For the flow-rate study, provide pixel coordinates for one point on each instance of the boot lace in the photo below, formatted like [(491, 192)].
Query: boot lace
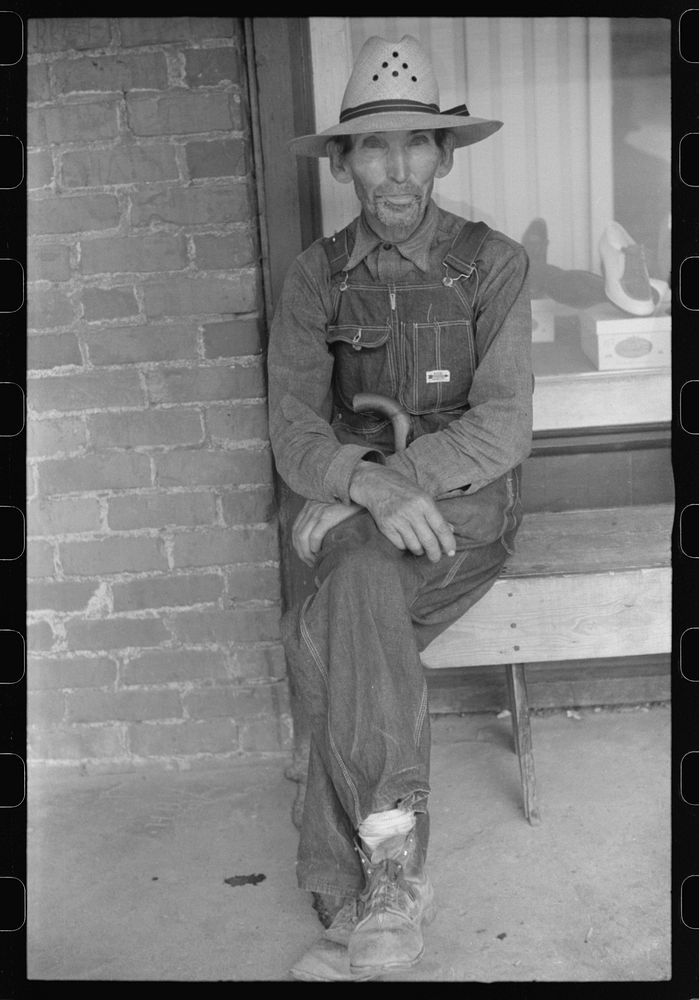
[(388, 890)]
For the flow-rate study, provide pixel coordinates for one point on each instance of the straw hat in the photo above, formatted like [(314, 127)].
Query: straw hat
[(393, 88)]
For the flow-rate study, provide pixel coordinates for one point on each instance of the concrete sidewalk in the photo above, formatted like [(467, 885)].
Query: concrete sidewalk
[(128, 872)]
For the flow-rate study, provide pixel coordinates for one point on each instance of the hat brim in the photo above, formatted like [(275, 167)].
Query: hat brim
[(467, 130)]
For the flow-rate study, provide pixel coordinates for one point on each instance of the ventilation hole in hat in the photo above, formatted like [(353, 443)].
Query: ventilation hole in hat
[(394, 73), (384, 65), (375, 76), (414, 79), (395, 55), (405, 65)]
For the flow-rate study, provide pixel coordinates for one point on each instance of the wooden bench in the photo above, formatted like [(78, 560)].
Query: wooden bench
[(582, 584)]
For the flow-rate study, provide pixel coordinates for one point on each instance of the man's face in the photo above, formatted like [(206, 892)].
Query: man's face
[(393, 174)]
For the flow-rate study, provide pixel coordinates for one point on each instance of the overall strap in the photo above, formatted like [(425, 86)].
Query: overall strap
[(338, 249), (465, 248)]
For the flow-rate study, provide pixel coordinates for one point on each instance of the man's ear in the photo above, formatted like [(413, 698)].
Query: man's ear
[(338, 168), (447, 159)]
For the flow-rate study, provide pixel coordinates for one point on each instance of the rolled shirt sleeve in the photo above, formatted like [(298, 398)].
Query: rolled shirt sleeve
[(495, 433), (308, 455)]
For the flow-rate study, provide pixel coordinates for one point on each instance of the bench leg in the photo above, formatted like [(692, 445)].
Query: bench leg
[(521, 730)]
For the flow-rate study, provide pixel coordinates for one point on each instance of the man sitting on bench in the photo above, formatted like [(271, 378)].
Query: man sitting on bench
[(416, 304)]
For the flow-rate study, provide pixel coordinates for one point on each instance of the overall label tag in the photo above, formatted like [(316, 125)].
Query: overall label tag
[(438, 375)]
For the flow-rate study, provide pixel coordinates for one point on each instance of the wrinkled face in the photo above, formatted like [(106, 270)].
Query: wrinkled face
[(393, 174)]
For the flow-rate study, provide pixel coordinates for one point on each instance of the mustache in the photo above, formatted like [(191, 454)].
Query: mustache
[(404, 193)]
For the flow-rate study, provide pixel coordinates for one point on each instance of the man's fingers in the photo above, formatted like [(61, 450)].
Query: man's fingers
[(444, 533)]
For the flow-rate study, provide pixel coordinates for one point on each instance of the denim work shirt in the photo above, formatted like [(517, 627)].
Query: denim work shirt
[(457, 358)]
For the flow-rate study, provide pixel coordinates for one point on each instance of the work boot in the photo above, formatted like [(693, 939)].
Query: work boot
[(327, 960), (397, 898)]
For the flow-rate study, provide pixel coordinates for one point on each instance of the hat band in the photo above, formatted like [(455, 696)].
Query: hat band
[(373, 107)]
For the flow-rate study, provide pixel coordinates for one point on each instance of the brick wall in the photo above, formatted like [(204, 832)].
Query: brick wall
[(153, 632)]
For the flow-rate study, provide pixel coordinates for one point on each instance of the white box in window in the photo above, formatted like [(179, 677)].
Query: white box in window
[(614, 341)]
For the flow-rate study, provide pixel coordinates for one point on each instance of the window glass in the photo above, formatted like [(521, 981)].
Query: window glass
[(579, 173)]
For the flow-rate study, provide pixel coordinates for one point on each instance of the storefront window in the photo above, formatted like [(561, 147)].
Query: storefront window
[(580, 173)]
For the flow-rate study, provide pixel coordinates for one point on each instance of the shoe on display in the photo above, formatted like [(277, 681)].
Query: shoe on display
[(398, 898), (626, 281)]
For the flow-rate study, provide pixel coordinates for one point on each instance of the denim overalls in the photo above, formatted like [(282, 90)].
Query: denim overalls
[(353, 646), (412, 342)]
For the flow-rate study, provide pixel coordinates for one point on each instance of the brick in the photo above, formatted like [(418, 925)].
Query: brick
[(257, 624), (65, 33), (151, 30), (253, 583), (76, 743), (255, 506), (139, 254), (181, 113), (76, 672), (39, 636), (130, 706), (109, 303), (221, 547), (38, 88), (229, 340), (242, 422), (169, 666), (39, 169), (45, 708), (146, 71), (84, 391), (40, 556), (48, 308), (148, 427), (214, 468), (115, 633), (183, 739), (112, 555), (170, 592), (72, 123), (217, 158), (179, 296), (59, 596), (53, 436), (146, 342), (161, 511), (230, 701), (94, 472), (259, 661), (72, 214), (214, 253), (187, 385), (208, 67), (192, 206), (52, 350), (123, 164), (49, 262), (266, 735), (63, 517)]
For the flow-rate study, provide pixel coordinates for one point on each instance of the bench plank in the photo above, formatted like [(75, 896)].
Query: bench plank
[(578, 616), (580, 541)]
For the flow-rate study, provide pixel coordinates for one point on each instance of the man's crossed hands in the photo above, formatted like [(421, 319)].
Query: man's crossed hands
[(407, 515)]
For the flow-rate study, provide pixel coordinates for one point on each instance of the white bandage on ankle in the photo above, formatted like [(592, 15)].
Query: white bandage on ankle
[(383, 825)]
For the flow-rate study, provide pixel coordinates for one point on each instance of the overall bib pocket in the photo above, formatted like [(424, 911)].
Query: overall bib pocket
[(363, 360), (439, 365)]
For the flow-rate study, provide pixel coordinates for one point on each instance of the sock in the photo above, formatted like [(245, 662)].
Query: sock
[(384, 825)]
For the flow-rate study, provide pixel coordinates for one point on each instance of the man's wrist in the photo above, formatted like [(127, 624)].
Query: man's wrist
[(362, 470)]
